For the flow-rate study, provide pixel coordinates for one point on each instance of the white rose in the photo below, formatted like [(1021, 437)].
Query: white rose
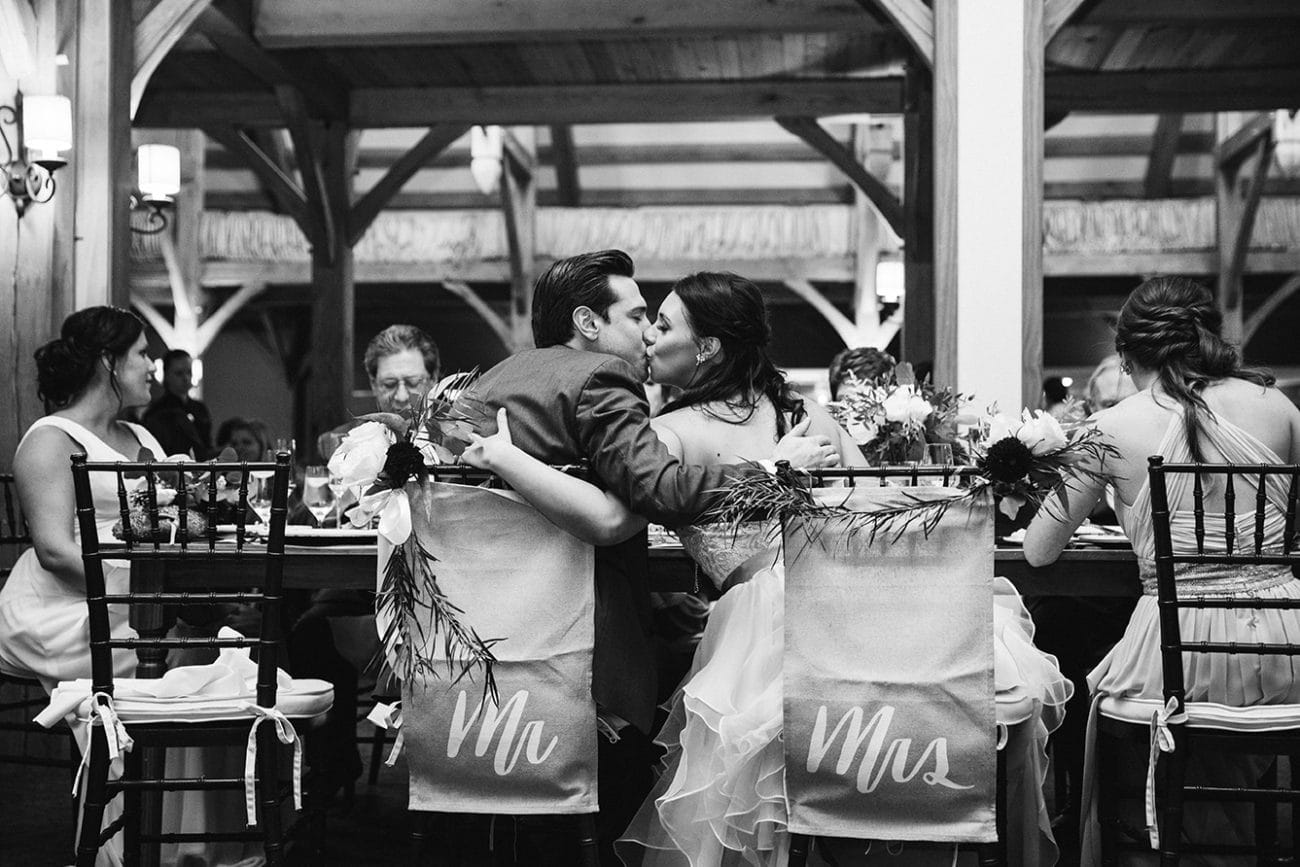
[(361, 455), (1041, 433), (1000, 427), (904, 405)]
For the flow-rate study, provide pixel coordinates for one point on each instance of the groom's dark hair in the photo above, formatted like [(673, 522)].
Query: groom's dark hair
[(578, 281)]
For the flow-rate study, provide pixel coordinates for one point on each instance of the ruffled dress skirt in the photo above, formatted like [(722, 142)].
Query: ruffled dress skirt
[(720, 799)]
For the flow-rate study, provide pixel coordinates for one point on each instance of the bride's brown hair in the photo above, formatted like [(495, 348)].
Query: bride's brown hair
[(1172, 326), (730, 308)]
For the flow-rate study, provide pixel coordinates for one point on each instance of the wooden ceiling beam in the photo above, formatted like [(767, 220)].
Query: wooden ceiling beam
[(1189, 12), (272, 172), (434, 142), (563, 156), (1055, 15), (842, 158), (380, 108), (240, 47), (1232, 150), (1180, 90), (914, 19), (1164, 151), (320, 209), (316, 23), (161, 28)]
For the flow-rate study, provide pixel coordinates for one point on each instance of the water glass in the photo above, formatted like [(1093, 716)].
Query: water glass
[(317, 494), (936, 455)]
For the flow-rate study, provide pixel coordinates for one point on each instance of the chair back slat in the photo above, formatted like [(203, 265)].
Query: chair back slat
[(267, 598), (1261, 505), (1198, 509), (1229, 514), (14, 531), (882, 475), (1167, 606), (1258, 553), (1288, 531), (124, 509)]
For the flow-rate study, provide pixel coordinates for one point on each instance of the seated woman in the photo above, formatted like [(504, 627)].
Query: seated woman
[(721, 797), (248, 438), (98, 368), (1195, 402)]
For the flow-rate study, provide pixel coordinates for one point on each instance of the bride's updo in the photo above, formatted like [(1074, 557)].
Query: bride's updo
[(66, 365), (1172, 326), (730, 308)]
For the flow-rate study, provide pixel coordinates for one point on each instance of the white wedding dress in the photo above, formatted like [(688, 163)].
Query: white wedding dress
[(720, 799)]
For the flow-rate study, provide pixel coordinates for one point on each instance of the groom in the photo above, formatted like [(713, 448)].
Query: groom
[(579, 397)]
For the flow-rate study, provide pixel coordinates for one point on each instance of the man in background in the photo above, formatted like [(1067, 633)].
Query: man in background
[(181, 423), (403, 364)]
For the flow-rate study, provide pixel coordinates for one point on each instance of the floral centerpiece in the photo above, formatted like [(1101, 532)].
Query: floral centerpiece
[(380, 458), (893, 416), (1020, 462)]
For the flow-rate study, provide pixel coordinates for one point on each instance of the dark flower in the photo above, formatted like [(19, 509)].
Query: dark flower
[(1008, 460), (404, 461)]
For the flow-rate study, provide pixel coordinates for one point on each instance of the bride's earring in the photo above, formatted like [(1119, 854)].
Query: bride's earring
[(700, 358), (1126, 367)]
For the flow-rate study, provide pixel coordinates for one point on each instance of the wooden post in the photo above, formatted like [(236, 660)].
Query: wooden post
[(33, 268), (918, 218), (988, 161), (101, 161), (1237, 197), (333, 290), (519, 204)]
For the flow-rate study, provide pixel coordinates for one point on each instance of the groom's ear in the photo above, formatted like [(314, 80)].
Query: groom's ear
[(586, 323)]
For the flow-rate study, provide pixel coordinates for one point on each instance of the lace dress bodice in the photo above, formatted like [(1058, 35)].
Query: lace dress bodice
[(719, 549)]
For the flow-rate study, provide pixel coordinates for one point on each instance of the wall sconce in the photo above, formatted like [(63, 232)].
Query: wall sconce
[(42, 128), (889, 281), (158, 177), (485, 157)]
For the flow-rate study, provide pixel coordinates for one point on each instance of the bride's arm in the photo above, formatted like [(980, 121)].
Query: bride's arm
[(44, 480), (824, 423), (1050, 530), (582, 509)]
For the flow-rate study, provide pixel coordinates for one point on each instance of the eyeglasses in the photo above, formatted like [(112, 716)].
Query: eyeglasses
[(390, 386)]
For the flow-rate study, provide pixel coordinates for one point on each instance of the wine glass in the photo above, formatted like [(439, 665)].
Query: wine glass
[(259, 489), (337, 487), (936, 455), (317, 493)]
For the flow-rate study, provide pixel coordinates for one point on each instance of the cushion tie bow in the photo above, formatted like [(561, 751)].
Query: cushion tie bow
[(286, 734), (1162, 741)]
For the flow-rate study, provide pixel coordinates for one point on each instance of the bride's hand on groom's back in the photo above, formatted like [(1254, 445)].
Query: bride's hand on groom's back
[(801, 449), (487, 452)]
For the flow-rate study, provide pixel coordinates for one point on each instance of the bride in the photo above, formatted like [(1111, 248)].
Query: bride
[(721, 796)]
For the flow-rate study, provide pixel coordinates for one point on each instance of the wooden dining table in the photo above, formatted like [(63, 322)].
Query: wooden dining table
[(1079, 571)]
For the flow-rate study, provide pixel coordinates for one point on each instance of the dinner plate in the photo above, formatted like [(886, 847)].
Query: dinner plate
[(332, 533)]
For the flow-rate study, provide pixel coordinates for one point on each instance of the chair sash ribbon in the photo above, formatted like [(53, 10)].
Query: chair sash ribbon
[(286, 734), (115, 734), (1162, 741), (389, 716)]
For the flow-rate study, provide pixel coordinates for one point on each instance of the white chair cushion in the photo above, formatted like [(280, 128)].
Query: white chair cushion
[(223, 690), (1204, 714)]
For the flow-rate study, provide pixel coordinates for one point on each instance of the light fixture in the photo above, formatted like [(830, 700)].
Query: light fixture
[(1286, 140), (42, 128), (889, 281), (485, 157), (158, 177)]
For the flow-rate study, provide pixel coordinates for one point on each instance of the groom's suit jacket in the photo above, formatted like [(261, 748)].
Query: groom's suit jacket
[(566, 405)]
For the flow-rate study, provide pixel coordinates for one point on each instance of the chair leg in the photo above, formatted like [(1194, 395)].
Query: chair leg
[(94, 792), (376, 757), (1265, 809), (131, 803), (421, 837), (588, 847), (268, 790), (1107, 799), (799, 847), (1171, 814)]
